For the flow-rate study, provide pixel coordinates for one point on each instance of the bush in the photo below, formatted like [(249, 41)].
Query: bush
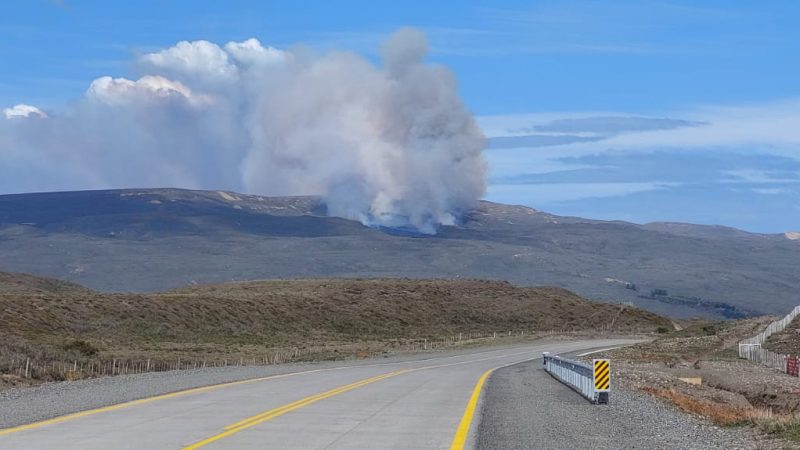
[(709, 330), (662, 330), (786, 428), (83, 347)]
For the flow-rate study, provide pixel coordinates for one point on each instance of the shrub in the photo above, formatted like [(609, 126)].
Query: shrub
[(83, 347), (720, 413), (709, 330), (786, 428)]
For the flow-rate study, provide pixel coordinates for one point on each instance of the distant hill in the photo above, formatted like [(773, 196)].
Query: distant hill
[(145, 240), (14, 283), (290, 312)]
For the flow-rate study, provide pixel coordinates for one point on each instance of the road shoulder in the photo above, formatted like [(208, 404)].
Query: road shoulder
[(525, 408)]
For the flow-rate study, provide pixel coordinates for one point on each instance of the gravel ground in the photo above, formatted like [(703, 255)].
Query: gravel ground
[(26, 405), (525, 408)]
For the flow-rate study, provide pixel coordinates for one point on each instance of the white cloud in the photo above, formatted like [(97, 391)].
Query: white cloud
[(252, 53), (516, 124), (543, 195), (770, 191), (23, 110), (196, 61), (721, 152), (759, 176), (763, 127), (766, 128), (209, 66), (117, 91)]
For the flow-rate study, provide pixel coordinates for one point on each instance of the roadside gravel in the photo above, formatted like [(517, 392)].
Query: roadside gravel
[(525, 408)]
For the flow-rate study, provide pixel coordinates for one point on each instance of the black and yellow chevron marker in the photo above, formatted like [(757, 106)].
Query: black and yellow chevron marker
[(602, 375)]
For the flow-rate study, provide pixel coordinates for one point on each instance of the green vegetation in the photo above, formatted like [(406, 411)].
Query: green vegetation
[(787, 428)]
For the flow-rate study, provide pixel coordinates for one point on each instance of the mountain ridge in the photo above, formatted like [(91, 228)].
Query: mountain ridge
[(147, 240)]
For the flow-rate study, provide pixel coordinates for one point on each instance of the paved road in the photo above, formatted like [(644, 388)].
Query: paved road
[(421, 404)]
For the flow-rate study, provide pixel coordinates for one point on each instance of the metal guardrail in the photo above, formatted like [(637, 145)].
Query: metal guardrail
[(580, 376)]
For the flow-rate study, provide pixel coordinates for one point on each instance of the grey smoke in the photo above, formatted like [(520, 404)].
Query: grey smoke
[(389, 144)]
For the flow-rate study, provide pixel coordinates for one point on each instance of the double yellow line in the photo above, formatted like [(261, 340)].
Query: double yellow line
[(459, 441), (142, 401), (281, 410)]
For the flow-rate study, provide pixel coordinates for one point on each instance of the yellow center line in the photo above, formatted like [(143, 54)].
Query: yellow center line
[(281, 410), (142, 401), (260, 417), (460, 439), (91, 412), (306, 400)]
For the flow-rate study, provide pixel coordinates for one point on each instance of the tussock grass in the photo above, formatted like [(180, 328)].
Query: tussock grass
[(784, 426), (320, 318), (719, 413)]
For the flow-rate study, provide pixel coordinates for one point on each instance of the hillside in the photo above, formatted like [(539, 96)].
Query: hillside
[(287, 310), (148, 240), (319, 317), (19, 283)]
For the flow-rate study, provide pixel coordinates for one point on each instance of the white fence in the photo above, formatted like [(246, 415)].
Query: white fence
[(750, 348)]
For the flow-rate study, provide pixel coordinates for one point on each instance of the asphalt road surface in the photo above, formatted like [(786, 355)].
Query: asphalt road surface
[(431, 403)]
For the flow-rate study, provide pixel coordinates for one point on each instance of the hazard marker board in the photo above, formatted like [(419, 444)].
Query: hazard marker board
[(602, 375)]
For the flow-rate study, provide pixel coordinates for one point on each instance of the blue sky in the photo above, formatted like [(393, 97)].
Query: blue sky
[(634, 110)]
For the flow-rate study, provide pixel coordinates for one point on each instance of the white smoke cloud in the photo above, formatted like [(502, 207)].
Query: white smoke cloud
[(388, 145)]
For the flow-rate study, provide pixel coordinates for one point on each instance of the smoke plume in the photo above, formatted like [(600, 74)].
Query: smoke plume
[(389, 144)]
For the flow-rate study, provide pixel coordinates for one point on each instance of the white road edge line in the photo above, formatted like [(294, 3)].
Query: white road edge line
[(598, 351)]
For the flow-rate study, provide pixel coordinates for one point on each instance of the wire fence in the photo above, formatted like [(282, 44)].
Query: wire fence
[(47, 368), (43, 367), (751, 348)]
